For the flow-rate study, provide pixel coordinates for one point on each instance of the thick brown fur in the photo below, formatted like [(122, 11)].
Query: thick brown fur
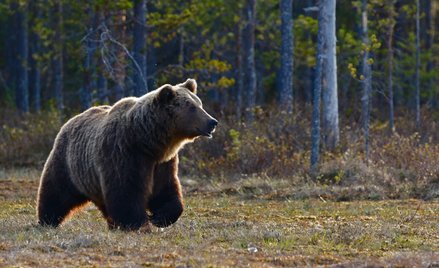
[(124, 159)]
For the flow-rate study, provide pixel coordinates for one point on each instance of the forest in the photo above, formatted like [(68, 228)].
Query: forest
[(328, 124)]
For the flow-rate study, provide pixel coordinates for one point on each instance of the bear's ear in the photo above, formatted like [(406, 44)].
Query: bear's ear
[(166, 94), (190, 84)]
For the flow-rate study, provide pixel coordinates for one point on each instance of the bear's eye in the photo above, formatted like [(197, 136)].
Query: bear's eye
[(192, 109)]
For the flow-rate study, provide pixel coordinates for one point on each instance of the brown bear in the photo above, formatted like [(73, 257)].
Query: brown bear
[(124, 159)]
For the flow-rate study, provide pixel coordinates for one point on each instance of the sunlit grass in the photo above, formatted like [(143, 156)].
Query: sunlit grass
[(221, 227)]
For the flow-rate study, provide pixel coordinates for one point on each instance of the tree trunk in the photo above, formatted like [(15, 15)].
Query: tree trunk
[(58, 58), (102, 83), (329, 75), (418, 66), (34, 64), (366, 72), (248, 36), (120, 74), (400, 33), (315, 121), (139, 48), (102, 86), (430, 29), (11, 48), (286, 53), (90, 48), (22, 83), (239, 70), (390, 67), (181, 47), (309, 72)]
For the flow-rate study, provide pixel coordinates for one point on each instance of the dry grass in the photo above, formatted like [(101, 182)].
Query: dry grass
[(277, 145), (253, 202), (252, 222)]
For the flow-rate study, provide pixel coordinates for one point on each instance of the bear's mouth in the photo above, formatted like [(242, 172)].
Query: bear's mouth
[(206, 133)]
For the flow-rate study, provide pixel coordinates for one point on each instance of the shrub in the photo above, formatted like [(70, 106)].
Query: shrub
[(27, 139), (276, 145)]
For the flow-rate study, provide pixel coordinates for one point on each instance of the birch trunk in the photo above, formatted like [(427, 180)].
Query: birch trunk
[(315, 121), (249, 58), (329, 75), (366, 72), (286, 60)]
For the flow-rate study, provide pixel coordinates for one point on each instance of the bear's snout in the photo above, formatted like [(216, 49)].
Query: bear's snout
[(211, 126)]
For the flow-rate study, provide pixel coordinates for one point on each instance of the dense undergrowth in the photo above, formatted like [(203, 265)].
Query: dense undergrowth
[(277, 146)]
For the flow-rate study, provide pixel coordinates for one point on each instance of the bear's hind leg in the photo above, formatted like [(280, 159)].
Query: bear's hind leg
[(57, 197)]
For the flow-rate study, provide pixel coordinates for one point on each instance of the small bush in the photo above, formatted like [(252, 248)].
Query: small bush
[(276, 145), (27, 139)]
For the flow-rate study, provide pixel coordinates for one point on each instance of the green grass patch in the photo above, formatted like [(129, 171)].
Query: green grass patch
[(227, 229)]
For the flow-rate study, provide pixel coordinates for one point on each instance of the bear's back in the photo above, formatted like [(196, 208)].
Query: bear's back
[(122, 106)]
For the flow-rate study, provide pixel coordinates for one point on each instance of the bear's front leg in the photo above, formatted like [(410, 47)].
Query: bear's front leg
[(125, 209), (166, 208), (166, 205), (125, 197)]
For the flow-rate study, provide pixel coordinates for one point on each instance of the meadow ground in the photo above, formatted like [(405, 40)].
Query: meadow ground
[(238, 223)]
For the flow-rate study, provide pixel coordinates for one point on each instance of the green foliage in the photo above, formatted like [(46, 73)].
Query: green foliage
[(305, 27), (233, 152), (199, 38), (7, 98)]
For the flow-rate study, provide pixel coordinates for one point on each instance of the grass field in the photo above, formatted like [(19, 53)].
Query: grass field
[(229, 224)]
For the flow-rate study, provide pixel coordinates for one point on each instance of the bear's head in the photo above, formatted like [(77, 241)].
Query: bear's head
[(185, 109)]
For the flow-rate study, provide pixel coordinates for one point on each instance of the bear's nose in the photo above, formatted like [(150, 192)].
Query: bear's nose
[(213, 123)]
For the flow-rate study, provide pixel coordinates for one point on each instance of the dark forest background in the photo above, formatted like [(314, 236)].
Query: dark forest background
[(316, 91)]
